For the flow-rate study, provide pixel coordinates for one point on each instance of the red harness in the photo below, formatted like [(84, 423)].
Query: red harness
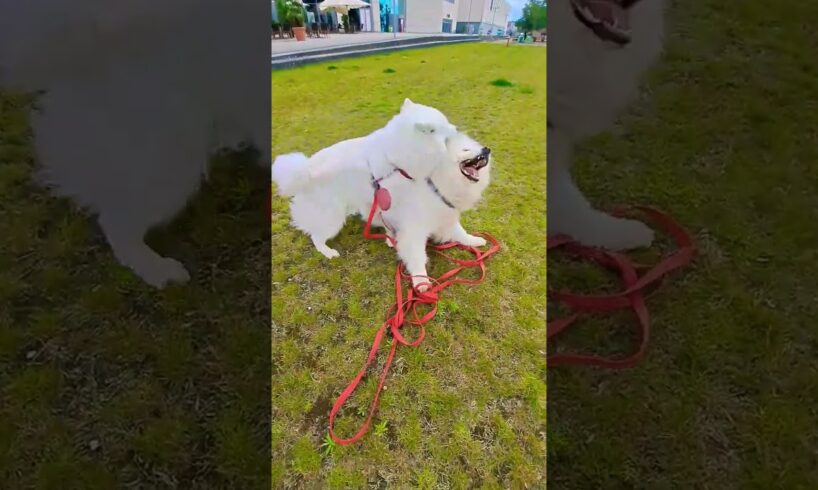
[(632, 296), (405, 303)]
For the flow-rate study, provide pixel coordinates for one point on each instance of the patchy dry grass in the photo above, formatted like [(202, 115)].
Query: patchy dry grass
[(725, 141), (107, 383), (467, 408)]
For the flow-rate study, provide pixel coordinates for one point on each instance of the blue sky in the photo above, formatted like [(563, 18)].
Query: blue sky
[(516, 9)]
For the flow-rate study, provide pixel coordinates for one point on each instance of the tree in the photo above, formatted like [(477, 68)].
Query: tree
[(535, 16)]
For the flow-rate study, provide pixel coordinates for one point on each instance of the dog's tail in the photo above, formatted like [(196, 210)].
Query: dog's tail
[(290, 173)]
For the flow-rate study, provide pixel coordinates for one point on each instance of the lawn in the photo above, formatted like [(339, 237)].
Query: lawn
[(107, 383), (725, 141), (467, 408)]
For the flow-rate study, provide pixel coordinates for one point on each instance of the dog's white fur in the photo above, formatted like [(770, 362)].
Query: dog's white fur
[(590, 85), (336, 182), (414, 140), (132, 107)]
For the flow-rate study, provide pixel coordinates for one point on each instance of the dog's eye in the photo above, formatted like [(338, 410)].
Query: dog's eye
[(432, 131)]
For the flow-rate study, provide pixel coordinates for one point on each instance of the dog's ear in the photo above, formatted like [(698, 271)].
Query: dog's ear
[(407, 103), (426, 128)]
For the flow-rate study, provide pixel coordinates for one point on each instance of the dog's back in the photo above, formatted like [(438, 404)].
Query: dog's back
[(121, 113), (132, 103)]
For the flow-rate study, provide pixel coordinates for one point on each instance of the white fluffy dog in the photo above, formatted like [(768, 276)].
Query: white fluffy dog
[(592, 80), (137, 94), (431, 171)]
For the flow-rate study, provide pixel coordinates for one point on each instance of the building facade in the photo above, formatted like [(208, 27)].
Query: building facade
[(484, 17), (423, 16), (443, 16)]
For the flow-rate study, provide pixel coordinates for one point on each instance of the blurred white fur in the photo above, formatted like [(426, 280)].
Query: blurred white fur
[(137, 94), (336, 182), (590, 84)]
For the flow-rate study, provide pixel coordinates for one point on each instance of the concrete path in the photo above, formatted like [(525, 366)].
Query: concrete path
[(515, 43), (288, 45)]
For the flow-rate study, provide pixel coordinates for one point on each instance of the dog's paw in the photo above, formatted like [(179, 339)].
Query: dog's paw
[(389, 243), (326, 251), (474, 241), (420, 284), (619, 234), (631, 234), (161, 271), (329, 253)]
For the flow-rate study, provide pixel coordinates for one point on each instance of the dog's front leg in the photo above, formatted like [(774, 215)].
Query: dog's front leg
[(570, 213), (129, 248), (456, 233), (411, 247)]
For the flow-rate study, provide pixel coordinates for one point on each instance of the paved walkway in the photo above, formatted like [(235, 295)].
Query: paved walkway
[(289, 45), (515, 43)]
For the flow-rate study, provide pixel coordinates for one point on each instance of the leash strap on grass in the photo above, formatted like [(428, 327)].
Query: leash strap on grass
[(399, 315), (632, 296)]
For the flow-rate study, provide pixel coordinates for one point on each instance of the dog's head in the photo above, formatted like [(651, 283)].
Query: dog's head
[(464, 175), (417, 138), (425, 125), (599, 73), (473, 160)]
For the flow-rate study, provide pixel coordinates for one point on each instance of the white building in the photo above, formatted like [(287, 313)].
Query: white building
[(482, 17), (426, 16), (434, 16), (431, 15)]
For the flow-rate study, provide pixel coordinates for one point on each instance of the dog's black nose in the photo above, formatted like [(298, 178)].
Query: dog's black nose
[(485, 151)]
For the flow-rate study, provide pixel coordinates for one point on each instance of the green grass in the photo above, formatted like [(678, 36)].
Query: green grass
[(467, 408), (725, 141), (501, 82), (107, 382)]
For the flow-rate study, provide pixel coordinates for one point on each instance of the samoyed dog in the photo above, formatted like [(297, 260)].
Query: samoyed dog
[(431, 171), (136, 95), (600, 49)]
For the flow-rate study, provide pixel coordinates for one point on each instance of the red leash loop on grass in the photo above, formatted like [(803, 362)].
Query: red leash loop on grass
[(632, 296), (399, 315)]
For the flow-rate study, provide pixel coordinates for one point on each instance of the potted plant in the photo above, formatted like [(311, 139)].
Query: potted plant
[(296, 18), (292, 13)]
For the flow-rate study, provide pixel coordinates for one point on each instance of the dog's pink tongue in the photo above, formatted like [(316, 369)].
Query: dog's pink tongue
[(471, 171)]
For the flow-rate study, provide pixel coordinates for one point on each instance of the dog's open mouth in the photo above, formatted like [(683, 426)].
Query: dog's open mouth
[(608, 19), (471, 168)]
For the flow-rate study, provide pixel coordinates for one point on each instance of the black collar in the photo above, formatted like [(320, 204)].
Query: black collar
[(439, 194)]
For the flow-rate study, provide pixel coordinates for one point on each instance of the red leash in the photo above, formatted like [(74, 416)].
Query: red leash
[(398, 315), (632, 296)]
